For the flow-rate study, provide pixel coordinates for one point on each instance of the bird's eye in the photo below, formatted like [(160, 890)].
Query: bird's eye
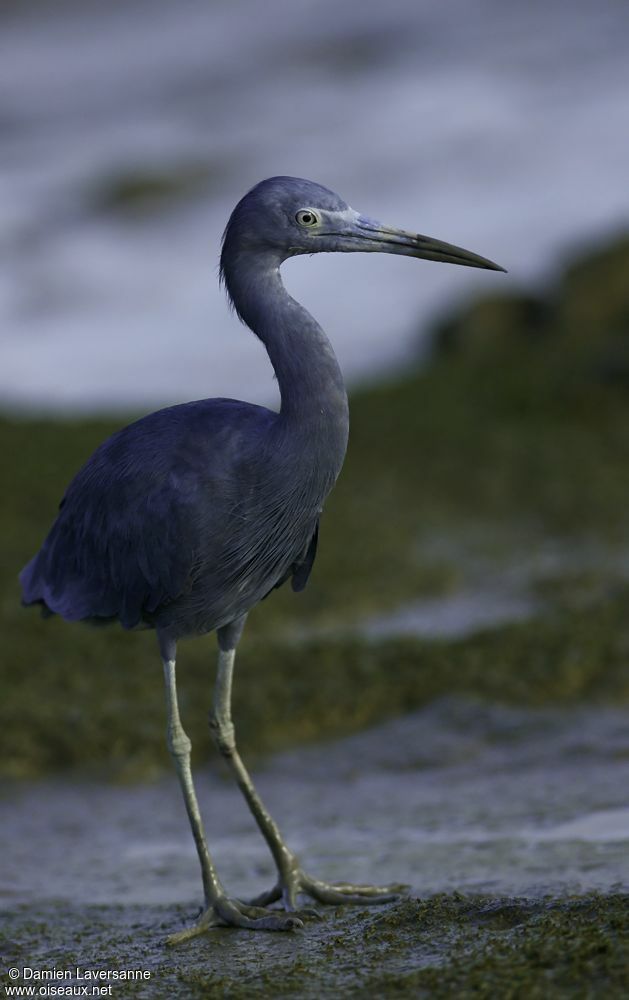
[(306, 217)]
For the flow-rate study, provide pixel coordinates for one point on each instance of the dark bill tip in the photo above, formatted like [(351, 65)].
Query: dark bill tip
[(425, 247), (429, 248)]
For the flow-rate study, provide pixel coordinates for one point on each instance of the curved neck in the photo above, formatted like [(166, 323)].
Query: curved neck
[(314, 399)]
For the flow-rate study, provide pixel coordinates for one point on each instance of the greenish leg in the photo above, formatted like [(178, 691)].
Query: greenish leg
[(218, 909), (291, 879)]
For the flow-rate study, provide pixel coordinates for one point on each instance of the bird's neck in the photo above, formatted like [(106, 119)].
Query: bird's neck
[(314, 400)]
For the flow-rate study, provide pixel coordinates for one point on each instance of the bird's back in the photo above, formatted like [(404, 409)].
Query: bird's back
[(183, 520)]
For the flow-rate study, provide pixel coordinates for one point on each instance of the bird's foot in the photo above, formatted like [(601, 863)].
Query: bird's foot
[(294, 881), (224, 912)]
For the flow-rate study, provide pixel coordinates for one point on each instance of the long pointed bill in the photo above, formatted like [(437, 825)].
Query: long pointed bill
[(370, 236)]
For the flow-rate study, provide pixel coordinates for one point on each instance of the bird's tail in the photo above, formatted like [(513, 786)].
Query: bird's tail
[(34, 587)]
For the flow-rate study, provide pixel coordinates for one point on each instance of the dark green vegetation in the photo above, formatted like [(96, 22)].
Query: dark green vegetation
[(447, 946), (111, 710), (515, 435)]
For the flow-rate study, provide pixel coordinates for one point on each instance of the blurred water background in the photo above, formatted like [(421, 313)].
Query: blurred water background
[(129, 130)]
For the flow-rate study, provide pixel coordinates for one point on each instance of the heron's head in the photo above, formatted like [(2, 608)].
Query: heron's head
[(287, 216)]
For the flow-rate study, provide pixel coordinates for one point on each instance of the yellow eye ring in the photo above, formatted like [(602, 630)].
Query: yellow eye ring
[(306, 217)]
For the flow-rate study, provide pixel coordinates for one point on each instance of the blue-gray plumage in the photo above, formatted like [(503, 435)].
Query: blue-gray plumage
[(184, 520)]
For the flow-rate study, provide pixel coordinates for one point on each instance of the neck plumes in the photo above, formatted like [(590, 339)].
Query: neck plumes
[(314, 401)]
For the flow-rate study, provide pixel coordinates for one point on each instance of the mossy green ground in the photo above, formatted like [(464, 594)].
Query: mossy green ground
[(111, 712), (447, 946), (515, 435)]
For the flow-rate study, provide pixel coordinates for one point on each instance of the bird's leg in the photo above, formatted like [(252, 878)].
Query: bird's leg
[(223, 732), (292, 880), (219, 909)]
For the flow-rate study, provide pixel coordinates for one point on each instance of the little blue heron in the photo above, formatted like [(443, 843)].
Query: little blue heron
[(187, 518)]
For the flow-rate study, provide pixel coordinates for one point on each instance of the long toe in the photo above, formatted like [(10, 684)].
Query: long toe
[(331, 893), (270, 896), (375, 893)]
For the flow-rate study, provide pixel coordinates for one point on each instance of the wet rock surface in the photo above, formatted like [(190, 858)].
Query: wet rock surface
[(502, 820)]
